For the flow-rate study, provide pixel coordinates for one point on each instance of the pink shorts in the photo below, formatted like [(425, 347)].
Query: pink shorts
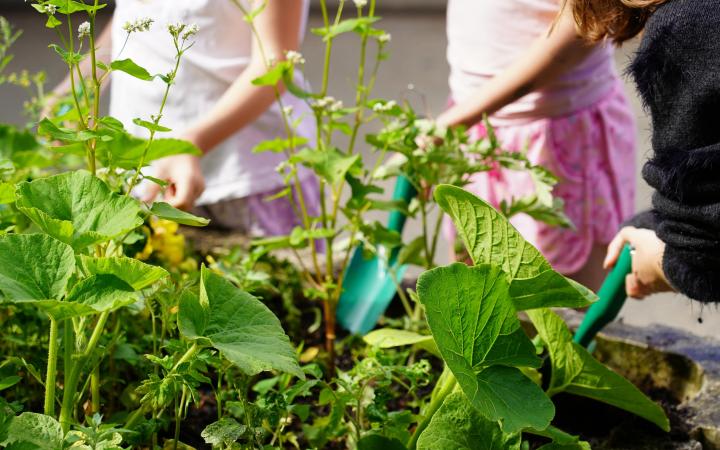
[(592, 152)]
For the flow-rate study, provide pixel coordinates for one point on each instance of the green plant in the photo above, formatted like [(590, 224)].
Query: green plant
[(492, 383), (73, 268)]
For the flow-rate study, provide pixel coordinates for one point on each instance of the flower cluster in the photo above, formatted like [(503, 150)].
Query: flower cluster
[(296, 58), (384, 38), (138, 26), (383, 107), (328, 103), (183, 31), (360, 3), (50, 9), (83, 30)]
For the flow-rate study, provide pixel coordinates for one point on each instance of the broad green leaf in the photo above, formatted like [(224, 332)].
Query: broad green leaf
[(331, 165), (31, 431), (390, 338), (131, 68), (163, 210), (7, 193), (273, 76), (488, 236), (94, 295), (34, 267), (14, 143), (133, 272), (48, 128), (575, 371), (237, 324), (378, 442), (476, 329), (458, 425), (472, 317), (549, 289), (78, 208)]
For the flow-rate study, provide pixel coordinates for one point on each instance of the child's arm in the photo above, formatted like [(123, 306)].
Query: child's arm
[(278, 28), (550, 56)]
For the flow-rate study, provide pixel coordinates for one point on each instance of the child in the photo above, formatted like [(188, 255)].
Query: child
[(214, 105), (557, 97), (677, 245)]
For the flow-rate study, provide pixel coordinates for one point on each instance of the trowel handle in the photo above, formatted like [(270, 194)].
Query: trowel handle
[(404, 192), (612, 297)]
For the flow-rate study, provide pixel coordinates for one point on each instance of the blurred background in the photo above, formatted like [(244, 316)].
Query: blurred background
[(416, 71)]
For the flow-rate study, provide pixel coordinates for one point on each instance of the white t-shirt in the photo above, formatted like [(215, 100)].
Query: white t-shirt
[(220, 54)]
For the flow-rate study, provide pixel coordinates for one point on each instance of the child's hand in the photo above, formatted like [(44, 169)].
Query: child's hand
[(185, 178), (648, 276)]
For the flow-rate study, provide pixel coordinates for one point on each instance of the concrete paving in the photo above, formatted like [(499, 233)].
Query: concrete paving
[(417, 59)]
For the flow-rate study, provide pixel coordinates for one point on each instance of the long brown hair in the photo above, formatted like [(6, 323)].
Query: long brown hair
[(618, 20)]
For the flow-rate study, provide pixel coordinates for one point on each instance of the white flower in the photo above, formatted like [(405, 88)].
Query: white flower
[(50, 9), (328, 103), (360, 3), (83, 30), (384, 38), (190, 31), (295, 57), (138, 25), (288, 110), (381, 107)]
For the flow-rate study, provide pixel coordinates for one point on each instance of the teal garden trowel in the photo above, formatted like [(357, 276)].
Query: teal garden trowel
[(370, 284)]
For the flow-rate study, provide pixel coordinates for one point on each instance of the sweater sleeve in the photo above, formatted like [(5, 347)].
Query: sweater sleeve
[(686, 217)]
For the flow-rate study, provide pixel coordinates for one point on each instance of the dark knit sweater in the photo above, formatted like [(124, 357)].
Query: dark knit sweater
[(677, 71)]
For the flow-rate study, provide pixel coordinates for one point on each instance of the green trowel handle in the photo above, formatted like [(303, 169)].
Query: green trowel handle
[(612, 298), (404, 192)]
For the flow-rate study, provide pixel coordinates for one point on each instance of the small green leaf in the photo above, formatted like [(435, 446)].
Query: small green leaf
[(344, 26), (131, 68), (31, 431), (133, 272), (458, 425), (151, 126), (549, 289), (390, 338), (163, 210), (224, 432), (34, 267), (273, 76), (237, 324), (331, 165), (78, 208), (575, 371), (9, 382), (279, 145)]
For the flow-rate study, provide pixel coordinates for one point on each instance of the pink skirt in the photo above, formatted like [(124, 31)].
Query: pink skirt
[(592, 152)]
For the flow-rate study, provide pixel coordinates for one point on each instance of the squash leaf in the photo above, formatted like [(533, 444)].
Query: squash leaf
[(34, 267), (78, 208), (459, 426), (575, 371), (237, 324), (549, 289), (477, 331), (133, 272), (31, 431)]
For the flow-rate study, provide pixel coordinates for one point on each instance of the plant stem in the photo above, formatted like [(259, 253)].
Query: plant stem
[(446, 389), (51, 369), (72, 378), (95, 389)]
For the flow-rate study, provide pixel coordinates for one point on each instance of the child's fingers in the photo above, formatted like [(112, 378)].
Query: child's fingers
[(615, 248), (182, 197)]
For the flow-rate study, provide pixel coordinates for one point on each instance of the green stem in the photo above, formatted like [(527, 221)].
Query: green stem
[(446, 389), (95, 389), (51, 369), (73, 377)]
